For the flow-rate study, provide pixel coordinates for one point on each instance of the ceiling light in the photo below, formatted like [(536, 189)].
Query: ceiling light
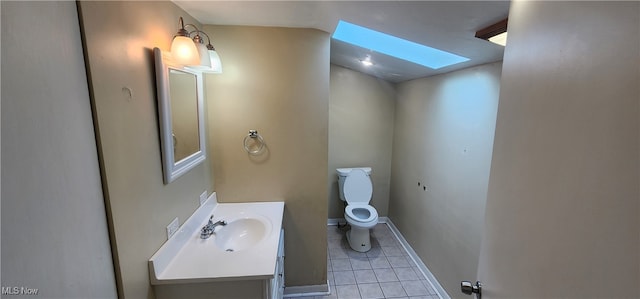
[(496, 33), (367, 61), (395, 46), (500, 39)]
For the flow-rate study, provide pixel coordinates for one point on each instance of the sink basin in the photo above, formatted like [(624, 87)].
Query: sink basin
[(241, 234)]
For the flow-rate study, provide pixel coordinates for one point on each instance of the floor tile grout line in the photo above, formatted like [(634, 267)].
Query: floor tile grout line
[(410, 262)]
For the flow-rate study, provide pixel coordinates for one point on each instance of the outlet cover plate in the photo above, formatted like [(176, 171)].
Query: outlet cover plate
[(173, 227)]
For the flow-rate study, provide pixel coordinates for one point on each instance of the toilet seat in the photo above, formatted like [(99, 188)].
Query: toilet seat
[(361, 213)]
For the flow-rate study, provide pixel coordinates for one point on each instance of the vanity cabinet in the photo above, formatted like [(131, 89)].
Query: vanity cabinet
[(275, 285), (243, 259), (271, 288)]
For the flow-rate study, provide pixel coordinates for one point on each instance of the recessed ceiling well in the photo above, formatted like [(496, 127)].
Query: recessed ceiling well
[(444, 25), (394, 46)]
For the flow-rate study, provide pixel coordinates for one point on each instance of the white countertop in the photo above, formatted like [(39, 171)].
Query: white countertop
[(186, 258)]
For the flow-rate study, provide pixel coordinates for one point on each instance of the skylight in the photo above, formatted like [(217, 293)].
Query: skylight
[(395, 46)]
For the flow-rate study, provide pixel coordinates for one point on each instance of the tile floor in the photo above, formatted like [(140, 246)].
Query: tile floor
[(385, 271)]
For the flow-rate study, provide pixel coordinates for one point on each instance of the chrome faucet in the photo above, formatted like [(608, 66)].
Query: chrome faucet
[(210, 227)]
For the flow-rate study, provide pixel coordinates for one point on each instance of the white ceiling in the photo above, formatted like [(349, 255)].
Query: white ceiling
[(445, 25)]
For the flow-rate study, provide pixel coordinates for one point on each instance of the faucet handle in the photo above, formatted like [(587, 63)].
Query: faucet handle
[(206, 232)]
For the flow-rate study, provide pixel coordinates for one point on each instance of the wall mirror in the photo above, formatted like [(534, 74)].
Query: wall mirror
[(180, 115)]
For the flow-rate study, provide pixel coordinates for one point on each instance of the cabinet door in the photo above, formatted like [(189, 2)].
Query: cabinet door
[(280, 266), (275, 285)]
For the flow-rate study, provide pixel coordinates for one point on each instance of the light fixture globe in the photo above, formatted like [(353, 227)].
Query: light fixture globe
[(214, 58), (205, 62), (216, 63), (184, 51)]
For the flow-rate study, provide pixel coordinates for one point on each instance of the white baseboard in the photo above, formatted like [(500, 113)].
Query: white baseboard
[(414, 256), (335, 221), (307, 291)]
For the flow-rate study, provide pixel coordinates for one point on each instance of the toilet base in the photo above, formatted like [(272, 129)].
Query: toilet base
[(359, 239)]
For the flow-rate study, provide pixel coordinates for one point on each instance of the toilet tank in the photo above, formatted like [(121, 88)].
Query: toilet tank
[(343, 173)]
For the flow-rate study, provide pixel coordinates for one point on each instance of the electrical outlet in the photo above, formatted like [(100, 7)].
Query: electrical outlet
[(173, 227), (203, 197)]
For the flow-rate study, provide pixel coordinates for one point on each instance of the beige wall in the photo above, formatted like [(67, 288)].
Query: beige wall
[(443, 138), (361, 109), (54, 224), (119, 39), (276, 81), (563, 201)]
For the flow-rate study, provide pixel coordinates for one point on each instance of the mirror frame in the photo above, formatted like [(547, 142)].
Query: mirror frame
[(172, 169)]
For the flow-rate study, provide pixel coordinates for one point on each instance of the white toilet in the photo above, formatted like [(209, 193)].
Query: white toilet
[(356, 189)]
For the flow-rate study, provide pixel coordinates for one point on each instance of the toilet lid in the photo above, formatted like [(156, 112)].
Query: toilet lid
[(357, 187)]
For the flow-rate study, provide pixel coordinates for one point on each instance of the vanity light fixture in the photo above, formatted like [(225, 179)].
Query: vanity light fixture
[(496, 33), (192, 52)]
